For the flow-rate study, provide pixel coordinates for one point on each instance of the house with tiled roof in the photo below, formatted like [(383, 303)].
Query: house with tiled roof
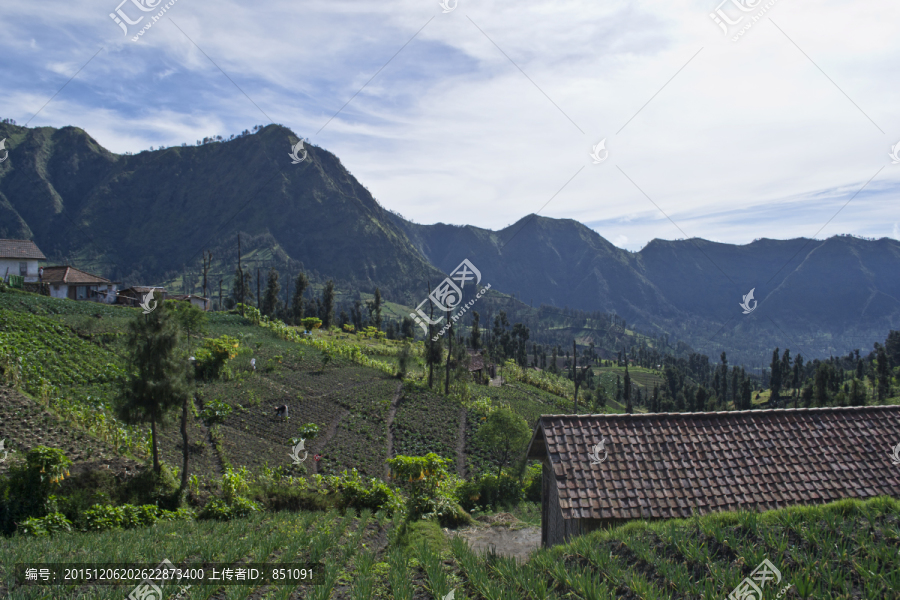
[(75, 284), (604, 470), (198, 301), (134, 295), (19, 258)]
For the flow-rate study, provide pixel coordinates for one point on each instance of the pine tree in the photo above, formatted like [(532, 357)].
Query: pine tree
[(475, 337), (701, 398), (629, 408), (786, 368), (857, 393), (270, 301), (157, 373), (328, 305), (775, 382), (300, 285), (883, 371), (724, 381)]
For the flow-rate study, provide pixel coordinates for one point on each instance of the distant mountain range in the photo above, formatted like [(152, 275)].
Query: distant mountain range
[(145, 218)]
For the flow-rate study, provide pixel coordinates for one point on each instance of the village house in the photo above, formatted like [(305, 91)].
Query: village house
[(134, 295), (604, 470), (75, 284), (19, 258), (198, 301)]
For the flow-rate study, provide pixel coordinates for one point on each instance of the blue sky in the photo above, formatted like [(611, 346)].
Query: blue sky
[(488, 112)]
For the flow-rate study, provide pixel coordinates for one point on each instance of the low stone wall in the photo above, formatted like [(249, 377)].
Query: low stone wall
[(37, 288)]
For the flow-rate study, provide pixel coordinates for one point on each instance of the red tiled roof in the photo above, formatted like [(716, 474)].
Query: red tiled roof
[(141, 289), (663, 465), (20, 249), (71, 275)]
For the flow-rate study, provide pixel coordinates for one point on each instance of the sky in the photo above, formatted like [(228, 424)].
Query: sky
[(483, 112)]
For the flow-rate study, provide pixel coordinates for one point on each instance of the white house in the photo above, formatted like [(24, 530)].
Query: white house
[(198, 301), (20, 258), (75, 284)]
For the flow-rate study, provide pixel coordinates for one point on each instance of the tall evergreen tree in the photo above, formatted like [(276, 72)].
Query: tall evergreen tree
[(883, 371), (157, 372), (786, 368), (475, 337), (300, 285), (724, 381), (328, 305), (857, 393), (270, 301), (629, 408), (701, 398), (775, 381)]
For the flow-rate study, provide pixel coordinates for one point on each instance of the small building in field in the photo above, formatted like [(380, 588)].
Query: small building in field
[(478, 368), (604, 470), (75, 284), (134, 295), (198, 301), (20, 258)]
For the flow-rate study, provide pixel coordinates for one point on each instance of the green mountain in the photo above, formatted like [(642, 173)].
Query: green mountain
[(146, 219), (141, 218)]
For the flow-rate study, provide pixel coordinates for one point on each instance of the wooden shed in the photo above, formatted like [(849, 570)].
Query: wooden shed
[(602, 470)]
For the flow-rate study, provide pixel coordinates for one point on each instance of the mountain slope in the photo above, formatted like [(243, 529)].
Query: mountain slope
[(152, 213)]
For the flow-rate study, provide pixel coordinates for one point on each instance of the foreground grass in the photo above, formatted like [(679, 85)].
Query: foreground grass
[(843, 550)]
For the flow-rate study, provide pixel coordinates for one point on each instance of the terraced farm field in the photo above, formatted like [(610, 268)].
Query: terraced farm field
[(843, 550)]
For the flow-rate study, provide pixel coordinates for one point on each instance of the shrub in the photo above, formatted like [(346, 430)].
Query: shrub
[(222, 510), (360, 494), (26, 491), (212, 357), (48, 525), (310, 323), (431, 491), (215, 411)]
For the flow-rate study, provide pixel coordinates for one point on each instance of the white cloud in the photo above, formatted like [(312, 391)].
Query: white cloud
[(748, 140)]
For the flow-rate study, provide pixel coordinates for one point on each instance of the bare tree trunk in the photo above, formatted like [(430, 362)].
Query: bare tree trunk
[(449, 354), (184, 443), (241, 274), (575, 375), (156, 467)]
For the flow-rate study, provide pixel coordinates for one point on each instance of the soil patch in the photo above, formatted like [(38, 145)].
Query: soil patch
[(503, 534)]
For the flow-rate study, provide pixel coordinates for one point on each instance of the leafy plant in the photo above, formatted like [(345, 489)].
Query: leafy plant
[(215, 411)]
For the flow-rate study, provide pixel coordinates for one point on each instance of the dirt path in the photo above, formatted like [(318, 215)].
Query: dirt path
[(461, 445), (392, 412), (323, 441)]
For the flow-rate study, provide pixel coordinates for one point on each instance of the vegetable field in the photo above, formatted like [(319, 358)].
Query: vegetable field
[(843, 550)]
